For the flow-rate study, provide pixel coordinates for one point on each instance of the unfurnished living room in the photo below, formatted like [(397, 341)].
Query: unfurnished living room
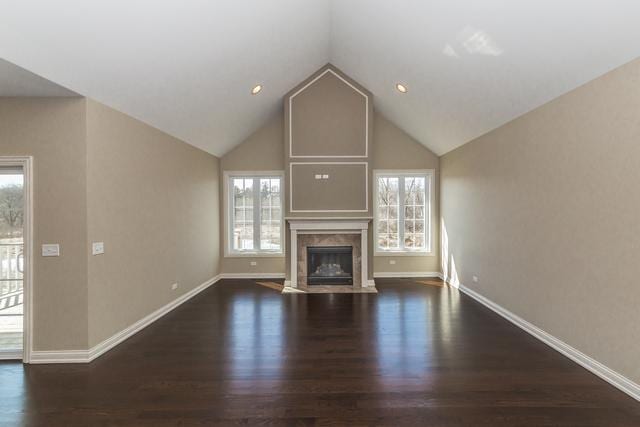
[(319, 213)]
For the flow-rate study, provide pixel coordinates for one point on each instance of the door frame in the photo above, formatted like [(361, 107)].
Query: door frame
[(26, 163)]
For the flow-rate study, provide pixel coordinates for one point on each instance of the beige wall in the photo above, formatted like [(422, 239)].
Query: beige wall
[(544, 210), (344, 189), (394, 149), (52, 130), (328, 118), (153, 201), (262, 151)]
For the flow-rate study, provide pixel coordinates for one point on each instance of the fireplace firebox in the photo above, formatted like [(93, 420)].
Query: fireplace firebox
[(329, 265)]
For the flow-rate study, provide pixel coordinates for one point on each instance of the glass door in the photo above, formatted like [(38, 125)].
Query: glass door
[(11, 262)]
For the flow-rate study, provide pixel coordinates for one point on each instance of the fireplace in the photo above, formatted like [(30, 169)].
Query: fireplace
[(339, 244), (329, 265)]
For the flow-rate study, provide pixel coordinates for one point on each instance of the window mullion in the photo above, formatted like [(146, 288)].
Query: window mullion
[(401, 212), (231, 214), (427, 213), (256, 214)]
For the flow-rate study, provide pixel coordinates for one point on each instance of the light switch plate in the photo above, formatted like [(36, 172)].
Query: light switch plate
[(254, 263), (392, 261), (318, 176), (97, 248), (325, 176), (51, 249)]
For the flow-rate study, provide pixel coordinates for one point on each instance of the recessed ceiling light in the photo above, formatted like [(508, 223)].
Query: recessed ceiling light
[(256, 90), (401, 88)]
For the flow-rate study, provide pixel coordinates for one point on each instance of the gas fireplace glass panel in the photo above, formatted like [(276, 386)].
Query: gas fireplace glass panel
[(327, 265)]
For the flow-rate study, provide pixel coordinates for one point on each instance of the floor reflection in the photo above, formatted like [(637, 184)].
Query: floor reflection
[(255, 333), (413, 329), (241, 354)]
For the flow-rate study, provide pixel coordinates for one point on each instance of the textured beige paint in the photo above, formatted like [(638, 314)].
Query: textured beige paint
[(328, 118), (153, 201), (344, 189), (544, 210), (395, 150), (262, 151), (52, 130)]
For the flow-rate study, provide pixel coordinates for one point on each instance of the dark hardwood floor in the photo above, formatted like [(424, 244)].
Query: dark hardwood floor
[(242, 354)]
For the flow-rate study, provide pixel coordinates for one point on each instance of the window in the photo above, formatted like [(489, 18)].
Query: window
[(403, 212), (254, 213)]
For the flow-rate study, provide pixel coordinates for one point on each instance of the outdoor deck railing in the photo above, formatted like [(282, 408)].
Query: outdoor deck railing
[(11, 268)]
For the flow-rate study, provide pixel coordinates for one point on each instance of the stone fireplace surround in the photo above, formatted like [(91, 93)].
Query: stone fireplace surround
[(328, 232)]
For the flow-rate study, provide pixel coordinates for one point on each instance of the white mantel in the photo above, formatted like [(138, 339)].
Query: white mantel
[(328, 226)]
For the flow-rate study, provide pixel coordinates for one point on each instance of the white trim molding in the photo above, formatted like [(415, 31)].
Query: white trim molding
[(26, 164), (366, 188), (86, 356), (328, 226), (63, 356), (227, 212), (366, 115), (609, 375), (429, 174), (252, 276), (406, 274)]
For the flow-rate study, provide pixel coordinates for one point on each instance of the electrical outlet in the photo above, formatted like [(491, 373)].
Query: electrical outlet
[(325, 176), (475, 279), (97, 248), (174, 286), (318, 176), (253, 263), (51, 249), (392, 261)]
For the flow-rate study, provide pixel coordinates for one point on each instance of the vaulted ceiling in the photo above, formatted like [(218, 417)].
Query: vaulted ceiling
[(16, 81), (187, 67)]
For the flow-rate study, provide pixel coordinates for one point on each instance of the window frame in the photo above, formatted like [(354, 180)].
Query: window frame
[(428, 174), (229, 251)]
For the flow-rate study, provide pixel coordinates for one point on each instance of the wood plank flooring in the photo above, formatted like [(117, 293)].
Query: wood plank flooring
[(242, 354)]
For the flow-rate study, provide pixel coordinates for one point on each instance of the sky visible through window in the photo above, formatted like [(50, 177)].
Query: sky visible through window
[(7, 180)]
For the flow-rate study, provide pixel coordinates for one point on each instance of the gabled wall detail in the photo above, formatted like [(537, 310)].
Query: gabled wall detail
[(328, 127)]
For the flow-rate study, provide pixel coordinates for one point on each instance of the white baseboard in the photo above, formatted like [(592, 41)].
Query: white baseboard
[(62, 356), (609, 375), (252, 276), (86, 356), (405, 274)]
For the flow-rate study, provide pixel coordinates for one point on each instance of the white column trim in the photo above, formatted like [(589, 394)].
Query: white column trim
[(26, 163), (329, 226), (294, 258), (364, 258)]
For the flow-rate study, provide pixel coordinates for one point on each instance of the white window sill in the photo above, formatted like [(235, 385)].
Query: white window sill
[(254, 255), (404, 253)]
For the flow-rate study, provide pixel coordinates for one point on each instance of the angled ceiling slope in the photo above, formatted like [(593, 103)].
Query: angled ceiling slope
[(16, 81), (185, 67), (473, 66), (188, 67)]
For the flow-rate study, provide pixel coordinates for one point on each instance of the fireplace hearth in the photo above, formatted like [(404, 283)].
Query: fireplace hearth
[(329, 265)]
